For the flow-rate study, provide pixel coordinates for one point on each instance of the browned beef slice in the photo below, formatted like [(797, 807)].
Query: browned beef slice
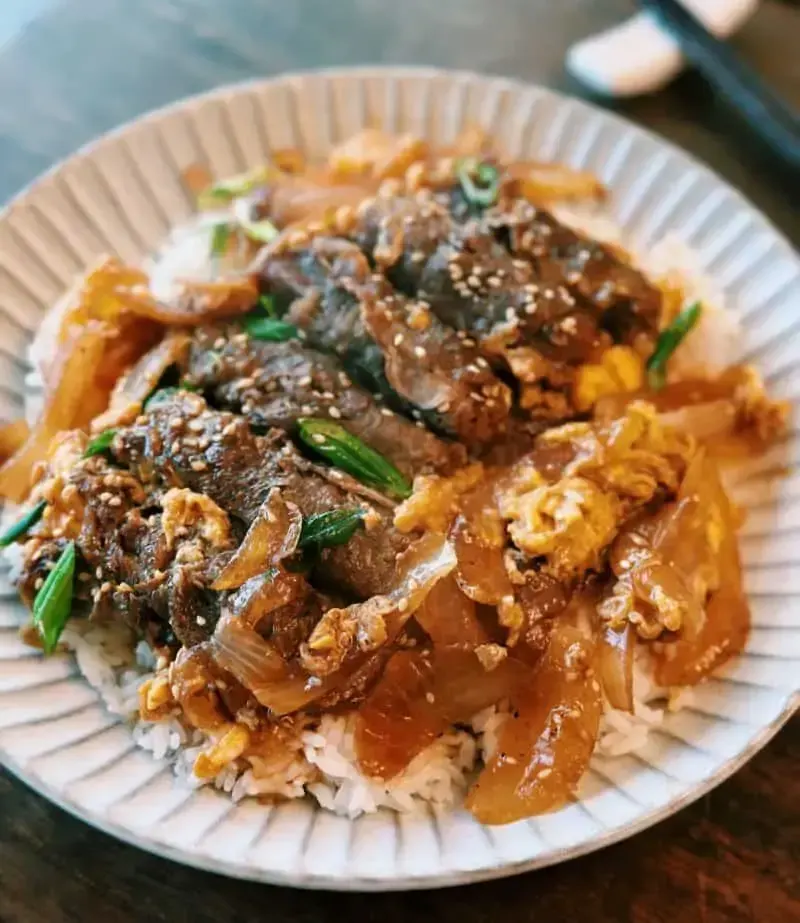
[(390, 344), (184, 444), (276, 384)]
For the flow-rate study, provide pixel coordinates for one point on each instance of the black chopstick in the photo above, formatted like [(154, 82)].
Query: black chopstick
[(737, 82)]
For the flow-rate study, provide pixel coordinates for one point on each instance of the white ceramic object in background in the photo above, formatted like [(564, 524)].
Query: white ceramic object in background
[(123, 194), (640, 55)]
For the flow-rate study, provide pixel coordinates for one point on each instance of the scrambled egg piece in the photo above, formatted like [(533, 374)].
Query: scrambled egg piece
[(185, 510), (434, 503), (620, 370), (570, 522), (609, 473)]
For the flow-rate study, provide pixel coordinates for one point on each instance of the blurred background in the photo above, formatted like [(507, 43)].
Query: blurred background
[(71, 69)]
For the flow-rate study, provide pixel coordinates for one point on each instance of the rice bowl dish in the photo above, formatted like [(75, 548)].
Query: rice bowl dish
[(322, 752)]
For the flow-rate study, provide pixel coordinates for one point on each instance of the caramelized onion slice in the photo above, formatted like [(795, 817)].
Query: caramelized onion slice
[(615, 650), (341, 635), (449, 617), (420, 695), (541, 183), (398, 720), (133, 389), (12, 437), (255, 662), (272, 537), (281, 687), (194, 303), (726, 625), (546, 744), (71, 401)]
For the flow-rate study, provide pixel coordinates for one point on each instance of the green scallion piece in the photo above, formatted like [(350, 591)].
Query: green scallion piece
[(22, 526), (269, 328), (53, 603), (263, 231), (348, 452), (668, 341), (100, 443), (220, 235), (266, 305), (325, 530), (233, 187), (484, 192)]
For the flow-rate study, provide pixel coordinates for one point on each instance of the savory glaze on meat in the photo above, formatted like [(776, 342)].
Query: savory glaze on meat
[(420, 458)]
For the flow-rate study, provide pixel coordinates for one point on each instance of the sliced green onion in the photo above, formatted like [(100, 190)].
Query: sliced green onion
[(233, 187), (335, 527), (53, 603), (220, 235), (100, 443), (23, 525), (263, 231), (349, 453), (487, 175), (668, 341), (269, 328), (266, 305)]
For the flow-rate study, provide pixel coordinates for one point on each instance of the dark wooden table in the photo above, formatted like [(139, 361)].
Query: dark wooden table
[(87, 65)]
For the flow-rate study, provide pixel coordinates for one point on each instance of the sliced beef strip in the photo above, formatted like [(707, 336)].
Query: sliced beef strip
[(392, 345), (183, 443), (627, 304), (275, 384), (473, 283), (125, 569)]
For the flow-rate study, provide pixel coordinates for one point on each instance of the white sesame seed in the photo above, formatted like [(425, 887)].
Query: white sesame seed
[(430, 697), (419, 351), (335, 413), (402, 605), (200, 620), (398, 339), (468, 341), (318, 438), (304, 381), (386, 412), (482, 362), (198, 465), (115, 501), (494, 282)]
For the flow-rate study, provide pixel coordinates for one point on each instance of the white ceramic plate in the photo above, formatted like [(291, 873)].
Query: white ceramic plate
[(123, 194)]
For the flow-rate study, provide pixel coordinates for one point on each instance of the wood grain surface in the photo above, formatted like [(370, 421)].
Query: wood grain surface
[(85, 66)]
